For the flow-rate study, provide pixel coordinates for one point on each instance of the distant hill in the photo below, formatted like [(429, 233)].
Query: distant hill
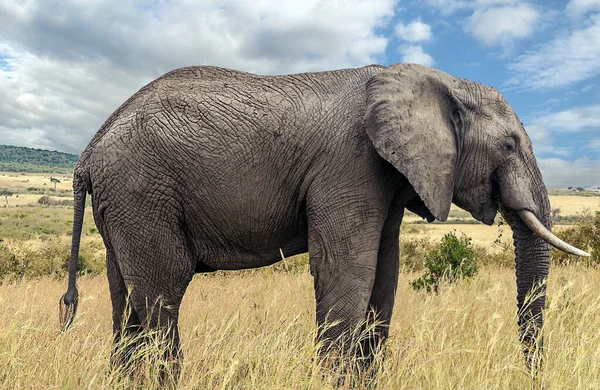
[(19, 159)]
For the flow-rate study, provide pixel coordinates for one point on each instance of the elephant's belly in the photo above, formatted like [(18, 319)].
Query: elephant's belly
[(227, 259)]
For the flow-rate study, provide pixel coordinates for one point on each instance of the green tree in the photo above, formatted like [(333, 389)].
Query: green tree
[(6, 193), (17, 159), (454, 260), (54, 180)]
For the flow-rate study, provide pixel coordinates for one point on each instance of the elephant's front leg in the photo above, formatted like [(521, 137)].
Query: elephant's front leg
[(383, 295), (343, 245)]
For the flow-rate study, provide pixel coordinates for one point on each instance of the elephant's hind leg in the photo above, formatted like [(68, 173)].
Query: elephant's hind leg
[(125, 319), (156, 267)]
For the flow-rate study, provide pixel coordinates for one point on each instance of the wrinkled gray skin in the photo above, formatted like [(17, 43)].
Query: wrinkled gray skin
[(212, 169)]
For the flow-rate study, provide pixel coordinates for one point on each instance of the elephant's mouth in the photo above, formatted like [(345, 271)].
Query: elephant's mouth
[(487, 215), (489, 205)]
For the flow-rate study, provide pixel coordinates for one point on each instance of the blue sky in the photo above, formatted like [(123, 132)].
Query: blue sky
[(66, 65)]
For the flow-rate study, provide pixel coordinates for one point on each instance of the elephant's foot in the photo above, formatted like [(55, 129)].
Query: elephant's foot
[(149, 358), (354, 358)]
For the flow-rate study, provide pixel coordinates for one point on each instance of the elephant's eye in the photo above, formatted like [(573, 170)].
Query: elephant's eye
[(510, 145)]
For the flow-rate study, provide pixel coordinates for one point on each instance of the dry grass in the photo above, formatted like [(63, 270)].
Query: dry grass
[(255, 330), (22, 181), (25, 180), (481, 234), (21, 200), (22, 184), (485, 236), (573, 205), (568, 205)]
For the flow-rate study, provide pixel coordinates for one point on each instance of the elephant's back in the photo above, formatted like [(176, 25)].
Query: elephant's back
[(300, 86), (210, 81), (194, 122), (217, 74)]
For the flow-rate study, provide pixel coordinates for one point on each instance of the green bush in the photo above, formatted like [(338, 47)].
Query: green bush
[(8, 263), (454, 260), (503, 257), (19, 260), (82, 266), (412, 252)]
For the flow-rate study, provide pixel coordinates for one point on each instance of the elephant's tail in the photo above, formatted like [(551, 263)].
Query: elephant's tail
[(68, 302)]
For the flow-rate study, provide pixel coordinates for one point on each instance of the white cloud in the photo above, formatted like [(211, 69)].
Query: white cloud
[(565, 60), (447, 7), (559, 173), (595, 145), (56, 104), (502, 25), (590, 87), (65, 67), (580, 7), (415, 54), (538, 133), (542, 130), (415, 31), (552, 150), (542, 139), (572, 120)]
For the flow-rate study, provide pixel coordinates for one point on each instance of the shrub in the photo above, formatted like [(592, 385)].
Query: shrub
[(412, 253), (585, 235), (13, 266), (45, 200), (454, 260), (19, 260), (503, 256), (82, 266), (8, 261)]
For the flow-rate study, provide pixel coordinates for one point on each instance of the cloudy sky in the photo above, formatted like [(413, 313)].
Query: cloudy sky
[(66, 65)]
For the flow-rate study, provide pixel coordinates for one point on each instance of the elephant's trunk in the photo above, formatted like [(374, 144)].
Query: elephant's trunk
[(532, 258), (526, 208), (532, 251), (521, 189)]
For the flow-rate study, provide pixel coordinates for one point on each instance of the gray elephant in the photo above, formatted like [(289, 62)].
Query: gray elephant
[(212, 169)]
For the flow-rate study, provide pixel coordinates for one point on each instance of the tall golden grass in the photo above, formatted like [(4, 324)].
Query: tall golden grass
[(255, 330)]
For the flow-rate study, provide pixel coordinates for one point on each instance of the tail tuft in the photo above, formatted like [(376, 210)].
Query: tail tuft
[(67, 307)]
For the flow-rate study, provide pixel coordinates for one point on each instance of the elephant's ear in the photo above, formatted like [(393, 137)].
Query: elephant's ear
[(411, 121)]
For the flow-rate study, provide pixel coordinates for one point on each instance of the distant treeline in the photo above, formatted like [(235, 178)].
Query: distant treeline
[(19, 159)]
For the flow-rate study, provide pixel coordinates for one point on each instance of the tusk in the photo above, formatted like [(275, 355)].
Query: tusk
[(534, 224)]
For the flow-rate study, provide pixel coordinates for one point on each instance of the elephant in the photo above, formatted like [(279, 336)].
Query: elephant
[(207, 169)]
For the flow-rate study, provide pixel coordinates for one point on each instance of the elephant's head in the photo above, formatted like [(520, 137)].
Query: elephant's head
[(459, 141)]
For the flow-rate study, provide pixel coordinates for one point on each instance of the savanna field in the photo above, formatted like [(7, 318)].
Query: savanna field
[(256, 329)]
